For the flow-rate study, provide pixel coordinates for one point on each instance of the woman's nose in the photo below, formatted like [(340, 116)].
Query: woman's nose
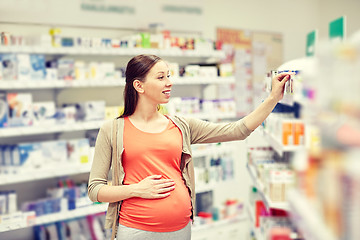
[(168, 83)]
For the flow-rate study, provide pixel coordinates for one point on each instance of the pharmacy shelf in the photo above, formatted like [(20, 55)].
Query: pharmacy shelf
[(210, 116), (59, 84), (279, 147), (305, 217), (203, 150), (215, 185), (37, 130), (110, 51), (256, 230), (202, 80), (59, 171), (50, 218), (219, 223), (260, 187), (83, 126), (7, 85)]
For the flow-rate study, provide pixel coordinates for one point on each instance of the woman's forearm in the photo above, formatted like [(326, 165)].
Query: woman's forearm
[(116, 193), (255, 118)]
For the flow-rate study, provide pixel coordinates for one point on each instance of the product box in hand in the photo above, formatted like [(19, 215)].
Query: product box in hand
[(9, 66), (20, 110), (44, 113), (3, 111), (78, 151)]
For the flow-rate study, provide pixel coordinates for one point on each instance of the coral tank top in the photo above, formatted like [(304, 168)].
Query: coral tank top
[(148, 154)]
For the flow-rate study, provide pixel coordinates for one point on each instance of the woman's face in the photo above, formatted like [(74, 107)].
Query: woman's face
[(157, 85)]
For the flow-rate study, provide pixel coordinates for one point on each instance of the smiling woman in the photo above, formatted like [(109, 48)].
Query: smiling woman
[(155, 195)]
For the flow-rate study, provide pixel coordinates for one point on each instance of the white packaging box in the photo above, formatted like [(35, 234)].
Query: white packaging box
[(94, 110), (30, 156), (192, 70), (54, 153), (276, 185), (3, 111), (20, 109), (78, 151), (174, 69), (208, 71), (37, 67), (44, 113), (107, 71), (24, 67), (80, 70)]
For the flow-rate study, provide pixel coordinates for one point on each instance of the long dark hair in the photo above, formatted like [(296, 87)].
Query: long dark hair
[(137, 68)]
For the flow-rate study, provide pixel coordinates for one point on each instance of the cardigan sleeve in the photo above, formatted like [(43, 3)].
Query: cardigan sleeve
[(208, 132), (101, 163)]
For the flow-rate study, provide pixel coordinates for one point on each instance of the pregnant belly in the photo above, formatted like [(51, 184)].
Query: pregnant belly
[(159, 215)]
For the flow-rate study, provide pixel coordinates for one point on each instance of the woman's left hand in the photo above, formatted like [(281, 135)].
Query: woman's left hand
[(278, 84)]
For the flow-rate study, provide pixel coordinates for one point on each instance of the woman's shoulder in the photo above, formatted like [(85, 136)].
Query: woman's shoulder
[(107, 124)]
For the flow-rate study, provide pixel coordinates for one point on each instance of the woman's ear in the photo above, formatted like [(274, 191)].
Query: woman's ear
[(138, 85)]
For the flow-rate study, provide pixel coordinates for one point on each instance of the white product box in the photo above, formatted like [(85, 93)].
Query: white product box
[(9, 66), (20, 109), (192, 70), (78, 151), (24, 67), (94, 110), (37, 67), (54, 152), (30, 156), (44, 113), (80, 70), (3, 111)]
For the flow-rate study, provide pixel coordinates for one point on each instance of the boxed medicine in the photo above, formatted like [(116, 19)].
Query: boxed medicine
[(20, 110), (9, 66), (3, 111), (44, 113)]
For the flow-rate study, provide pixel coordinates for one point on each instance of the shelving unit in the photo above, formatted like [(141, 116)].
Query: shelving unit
[(62, 84), (257, 232), (39, 130), (221, 229), (50, 218), (219, 223), (260, 187), (63, 170), (110, 51), (278, 147), (54, 87)]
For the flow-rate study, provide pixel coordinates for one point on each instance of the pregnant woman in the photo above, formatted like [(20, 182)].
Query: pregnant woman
[(152, 194)]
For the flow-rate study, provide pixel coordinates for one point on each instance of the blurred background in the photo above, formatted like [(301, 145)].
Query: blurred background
[(62, 75)]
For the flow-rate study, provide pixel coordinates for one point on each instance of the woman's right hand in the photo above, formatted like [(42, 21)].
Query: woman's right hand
[(154, 187)]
